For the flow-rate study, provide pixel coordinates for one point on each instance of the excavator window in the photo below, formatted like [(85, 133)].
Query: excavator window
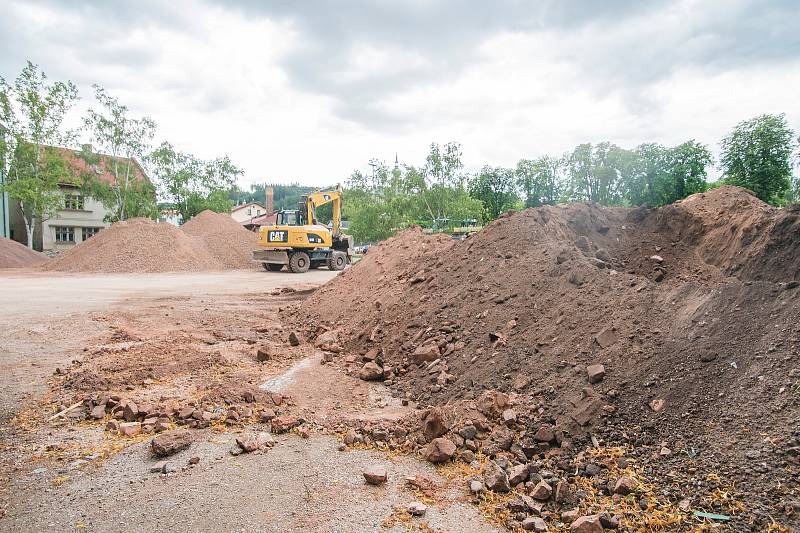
[(289, 218)]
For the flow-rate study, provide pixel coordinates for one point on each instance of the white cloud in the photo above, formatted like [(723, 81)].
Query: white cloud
[(288, 102)]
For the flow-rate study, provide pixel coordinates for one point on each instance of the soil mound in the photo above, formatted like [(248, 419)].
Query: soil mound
[(227, 241), (16, 255), (691, 309), (138, 245)]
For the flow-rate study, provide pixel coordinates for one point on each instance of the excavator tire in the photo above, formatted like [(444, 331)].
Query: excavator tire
[(337, 261), (272, 267), (299, 262)]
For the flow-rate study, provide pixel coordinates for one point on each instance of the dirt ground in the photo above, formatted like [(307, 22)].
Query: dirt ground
[(169, 338)]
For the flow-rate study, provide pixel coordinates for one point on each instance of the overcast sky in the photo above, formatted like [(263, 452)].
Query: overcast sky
[(311, 90)]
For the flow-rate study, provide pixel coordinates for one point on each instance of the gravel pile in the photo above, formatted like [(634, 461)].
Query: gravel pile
[(16, 255), (138, 245), (226, 240)]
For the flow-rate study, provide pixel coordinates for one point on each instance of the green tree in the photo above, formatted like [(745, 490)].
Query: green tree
[(381, 202), (441, 175), (595, 173), (647, 174), (125, 140), (757, 155), (540, 180), (192, 185), (32, 114), (686, 171), (495, 188)]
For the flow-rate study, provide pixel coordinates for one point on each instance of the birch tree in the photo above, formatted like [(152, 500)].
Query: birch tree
[(127, 141), (32, 113)]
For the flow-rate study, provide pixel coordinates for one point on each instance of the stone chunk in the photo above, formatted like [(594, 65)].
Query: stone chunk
[(171, 442), (264, 353), (542, 491), (434, 424), (518, 474), (440, 450), (495, 478), (587, 524), (376, 475), (371, 372), (534, 523), (250, 442), (545, 433), (130, 412), (294, 339), (417, 509), (625, 485), (596, 373), (129, 429), (284, 423), (426, 353)]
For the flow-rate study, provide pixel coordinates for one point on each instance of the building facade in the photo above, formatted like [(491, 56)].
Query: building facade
[(245, 213), (80, 216)]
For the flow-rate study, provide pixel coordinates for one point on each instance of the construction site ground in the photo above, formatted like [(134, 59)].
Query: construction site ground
[(64, 474)]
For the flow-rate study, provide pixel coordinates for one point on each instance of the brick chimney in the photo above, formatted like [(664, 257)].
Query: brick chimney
[(269, 200)]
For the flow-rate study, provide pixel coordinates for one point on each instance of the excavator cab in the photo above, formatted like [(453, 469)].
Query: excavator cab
[(289, 218)]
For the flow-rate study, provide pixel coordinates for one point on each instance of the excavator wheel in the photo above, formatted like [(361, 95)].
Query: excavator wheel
[(299, 262), (272, 267), (337, 261)]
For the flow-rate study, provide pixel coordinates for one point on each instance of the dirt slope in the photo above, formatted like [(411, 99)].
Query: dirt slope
[(227, 241), (16, 255), (692, 309)]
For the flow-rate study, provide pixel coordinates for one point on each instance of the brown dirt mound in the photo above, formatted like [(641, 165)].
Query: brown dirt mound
[(226, 239), (138, 245), (16, 255), (694, 304)]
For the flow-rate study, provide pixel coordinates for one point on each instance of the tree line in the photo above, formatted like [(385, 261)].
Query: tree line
[(36, 156), (758, 154)]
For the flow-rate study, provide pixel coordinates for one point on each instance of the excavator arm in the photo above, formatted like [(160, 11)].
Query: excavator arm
[(318, 199)]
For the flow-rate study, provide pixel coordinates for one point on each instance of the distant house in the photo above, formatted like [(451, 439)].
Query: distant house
[(81, 216), (245, 213)]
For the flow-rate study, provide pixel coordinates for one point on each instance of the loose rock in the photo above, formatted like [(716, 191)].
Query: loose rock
[(587, 524), (440, 450), (495, 478), (376, 475), (171, 442)]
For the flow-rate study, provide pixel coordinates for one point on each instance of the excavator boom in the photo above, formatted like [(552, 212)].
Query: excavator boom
[(318, 199)]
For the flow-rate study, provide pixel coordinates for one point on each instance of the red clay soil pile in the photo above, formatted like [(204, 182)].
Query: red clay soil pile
[(138, 245), (692, 311), (16, 255), (226, 240)]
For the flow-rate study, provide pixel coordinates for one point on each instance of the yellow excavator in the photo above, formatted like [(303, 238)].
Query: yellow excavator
[(299, 242)]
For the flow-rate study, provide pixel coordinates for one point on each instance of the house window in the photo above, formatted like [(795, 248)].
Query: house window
[(89, 232), (73, 201), (65, 234)]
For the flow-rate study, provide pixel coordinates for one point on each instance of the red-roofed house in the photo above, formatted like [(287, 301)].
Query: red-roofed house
[(245, 213), (81, 216)]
